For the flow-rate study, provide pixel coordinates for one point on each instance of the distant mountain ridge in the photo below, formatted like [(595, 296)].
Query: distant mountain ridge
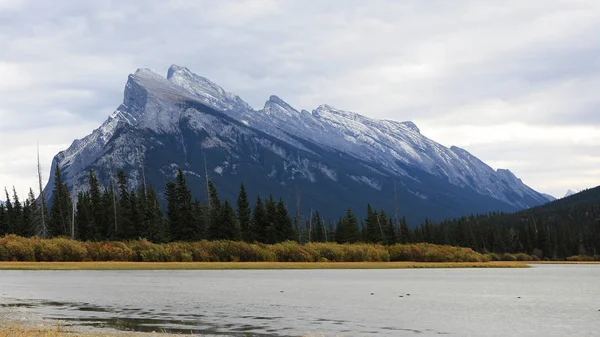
[(327, 159)]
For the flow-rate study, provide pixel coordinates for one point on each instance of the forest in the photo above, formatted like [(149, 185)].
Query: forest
[(567, 228)]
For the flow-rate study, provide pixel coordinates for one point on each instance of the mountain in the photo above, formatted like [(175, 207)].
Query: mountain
[(570, 193), (326, 160)]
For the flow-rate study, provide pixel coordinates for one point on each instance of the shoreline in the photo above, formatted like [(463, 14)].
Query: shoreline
[(253, 265), (269, 265)]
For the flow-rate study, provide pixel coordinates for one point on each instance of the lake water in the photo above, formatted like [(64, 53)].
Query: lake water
[(546, 300)]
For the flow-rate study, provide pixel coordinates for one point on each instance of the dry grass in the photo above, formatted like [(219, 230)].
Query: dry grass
[(249, 265)]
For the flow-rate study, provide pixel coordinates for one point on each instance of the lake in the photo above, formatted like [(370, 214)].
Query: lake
[(546, 300)]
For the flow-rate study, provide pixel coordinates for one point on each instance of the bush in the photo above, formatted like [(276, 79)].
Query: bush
[(424, 252), (580, 258), (16, 248)]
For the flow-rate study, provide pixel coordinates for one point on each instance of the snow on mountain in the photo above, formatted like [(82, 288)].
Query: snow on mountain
[(387, 148)]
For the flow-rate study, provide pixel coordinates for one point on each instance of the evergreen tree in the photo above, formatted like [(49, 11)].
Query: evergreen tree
[(31, 215), (228, 228), (373, 229), (172, 209), (3, 220), (136, 211), (391, 232), (109, 227), (404, 232), (98, 216), (156, 227), (259, 221), (215, 213), (62, 207), (18, 221), (125, 228), (244, 217), (284, 228), (318, 229), (84, 219), (200, 216), (10, 214), (348, 231), (185, 214), (271, 234)]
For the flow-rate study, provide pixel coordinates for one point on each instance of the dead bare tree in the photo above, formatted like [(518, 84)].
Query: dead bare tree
[(42, 231)]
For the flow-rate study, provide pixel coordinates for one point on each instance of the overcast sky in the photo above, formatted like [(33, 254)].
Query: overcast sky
[(516, 83)]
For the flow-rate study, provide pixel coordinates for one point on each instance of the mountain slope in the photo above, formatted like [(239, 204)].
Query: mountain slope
[(327, 159)]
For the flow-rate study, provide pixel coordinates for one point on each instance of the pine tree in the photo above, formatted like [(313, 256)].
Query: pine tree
[(348, 231), (136, 211), (318, 229), (373, 231), (108, 227), (156, 227), (259, 221), (3, 220), (404, 232), (84, 218), (199, 213), (284, 228), (125, 229), (18, 223), (184, 231), (62, 207), (10, 214), (392, 232), (228, 228), (385, 228), (271, 215), (172, 209), (31, 215), (98, 216), (215, 213), (244, 217)]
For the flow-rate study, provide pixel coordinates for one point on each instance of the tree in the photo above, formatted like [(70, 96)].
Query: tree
[(84, 218), (284, 228), (373, 229), (318, 229), (228, 228), (244, 217), (172, 211), (271, 215), (98, 216), (215, 214), (156, 227), (404, 232), (125, 229), (61, 210), (184, 231), (31, 215), (259, 221), (348, 231), (10, 214)]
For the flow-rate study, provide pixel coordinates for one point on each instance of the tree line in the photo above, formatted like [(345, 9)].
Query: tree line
[(119, 213)]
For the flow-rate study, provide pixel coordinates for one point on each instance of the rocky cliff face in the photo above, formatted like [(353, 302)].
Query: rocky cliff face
[(327, 159)]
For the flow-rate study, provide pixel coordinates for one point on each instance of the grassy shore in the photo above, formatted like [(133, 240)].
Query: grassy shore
[(249, 265)]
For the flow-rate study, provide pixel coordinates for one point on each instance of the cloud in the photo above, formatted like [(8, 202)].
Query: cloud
[(514, 83)]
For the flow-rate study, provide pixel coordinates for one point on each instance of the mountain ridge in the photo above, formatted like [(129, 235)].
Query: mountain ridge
[(191, 109)]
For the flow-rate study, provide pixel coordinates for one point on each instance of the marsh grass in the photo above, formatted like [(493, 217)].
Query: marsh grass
[(61, 253)]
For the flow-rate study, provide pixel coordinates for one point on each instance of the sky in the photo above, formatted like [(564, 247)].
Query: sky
[(513, 82)]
